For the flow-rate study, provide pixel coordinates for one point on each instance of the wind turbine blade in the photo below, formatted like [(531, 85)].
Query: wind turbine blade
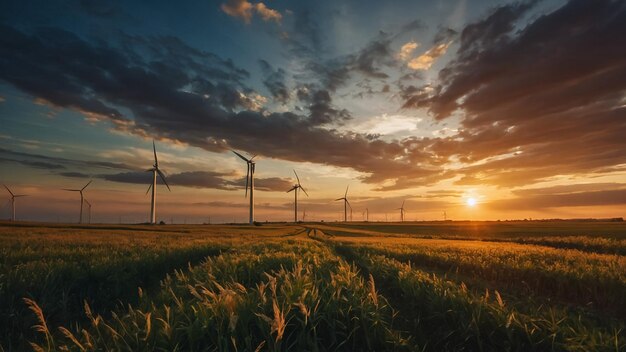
[(247, 178), (150, 170), (88, 183), (156, 161), (12, 195), (346, 195), (403, 204), (163, 178), (339, 199), (297, 178), (349, 204), (302, 188), (255, 155), (89, 204), (150, 186), (71, 190), (241, 156), (292, 188)]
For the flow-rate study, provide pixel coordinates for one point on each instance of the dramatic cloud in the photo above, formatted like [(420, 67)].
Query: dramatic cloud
[(182, 94), (407, 50), (427, 59), (73, 174), (266, 13), (202, 179), (244, 9), (530, 113), (274, 81), (56, 163), (34, 164)]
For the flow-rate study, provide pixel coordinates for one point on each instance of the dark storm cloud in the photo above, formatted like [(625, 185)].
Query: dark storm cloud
[(164, 84), (274, 81), (201, 179), (370, 61), (34, 164), (56, 163), (73, 174), (547, 98), (264, 184), (322, 111), (195, 179)]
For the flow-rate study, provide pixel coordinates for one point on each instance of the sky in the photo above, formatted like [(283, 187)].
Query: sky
[(478, 110)]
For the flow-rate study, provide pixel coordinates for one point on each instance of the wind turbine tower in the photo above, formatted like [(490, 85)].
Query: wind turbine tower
[(13, 196), (88, 211), (249, 182), (82, 199), (155, 170), (295, 190), (402, 212), (346, 204)]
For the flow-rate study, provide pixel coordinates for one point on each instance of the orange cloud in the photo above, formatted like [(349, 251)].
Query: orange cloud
[(424, 61), (244, 9), (406, 50), (267, 14)]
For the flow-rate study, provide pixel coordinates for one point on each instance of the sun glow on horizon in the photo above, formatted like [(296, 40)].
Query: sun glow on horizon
[(471, 202)]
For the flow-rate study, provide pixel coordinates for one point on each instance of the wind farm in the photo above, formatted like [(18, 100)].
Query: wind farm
[(479, 147)]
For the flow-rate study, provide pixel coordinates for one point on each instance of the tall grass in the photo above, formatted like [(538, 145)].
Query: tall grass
[(593, 280), (309, 302), (444, 315)]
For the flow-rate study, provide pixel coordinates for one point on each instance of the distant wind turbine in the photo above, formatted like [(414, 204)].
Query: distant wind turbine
[(367, 214), (88, 211), (155, 170), (13, 196), (295, 189), (402, 212), (82, 199), (346, 204), (249, 182)]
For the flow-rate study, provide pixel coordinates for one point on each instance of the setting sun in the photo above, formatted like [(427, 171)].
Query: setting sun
[(471, 202)]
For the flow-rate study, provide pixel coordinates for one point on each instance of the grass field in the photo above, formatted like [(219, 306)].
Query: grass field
[(441, 286)]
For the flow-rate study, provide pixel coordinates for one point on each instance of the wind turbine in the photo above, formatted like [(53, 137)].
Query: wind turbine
[(402, 211), (88, 211), (13, 196), (346, 204), (295, 188), (367, 215), (155, 170), (249, 182), (82, 199)]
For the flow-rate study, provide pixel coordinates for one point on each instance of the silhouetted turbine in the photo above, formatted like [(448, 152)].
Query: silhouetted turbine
[(346, 204), (155, 170), (402, 211), (13, 196), (249, 182), (82, 199), (295, 189)]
